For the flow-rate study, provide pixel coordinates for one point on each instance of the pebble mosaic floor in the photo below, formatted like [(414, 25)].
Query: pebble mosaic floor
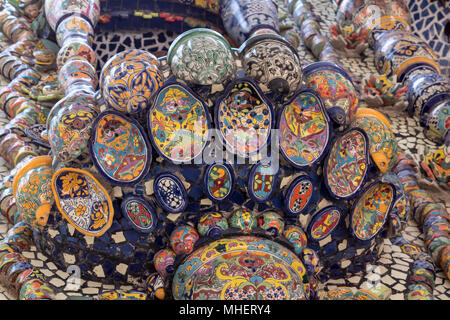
[(391, 269)]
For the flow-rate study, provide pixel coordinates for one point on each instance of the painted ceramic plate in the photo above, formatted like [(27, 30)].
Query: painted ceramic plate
[(244, 118), (241, 268), (83, 201), (324, 222), (219, 181), (347, 165), (304, 129), (300, 195), (262, 181), (178, 123), (370, 211), (119, 148), (170, 193), (140, 213)]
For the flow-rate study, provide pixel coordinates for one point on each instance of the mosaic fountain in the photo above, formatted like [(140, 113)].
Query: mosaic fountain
[(223, 162)]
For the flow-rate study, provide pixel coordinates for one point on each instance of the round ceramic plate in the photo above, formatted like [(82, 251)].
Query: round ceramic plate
[(170, 193), (119, 148), (218, 181), (140, 213)]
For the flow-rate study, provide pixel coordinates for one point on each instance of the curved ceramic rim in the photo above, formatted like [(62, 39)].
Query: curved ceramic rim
[(251, 179), (312, 199), (434, 102), (208, 122), (108, 199), (367, 188), (183, 191), (205, 180), (144, 171), (363, 112), (442, 105), (35, 162), (190, 33), (266, 36), (410, 65), (368, 164), (39, 141), (327, 119), (324, 66), (219, 100), (318, 215), (146, 205)]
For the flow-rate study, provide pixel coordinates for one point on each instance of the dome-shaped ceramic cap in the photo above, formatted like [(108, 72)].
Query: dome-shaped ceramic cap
[(273, 62), (201, 56)]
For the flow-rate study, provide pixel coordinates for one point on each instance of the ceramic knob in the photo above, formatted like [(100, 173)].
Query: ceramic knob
[(183, 239), (164, 262), (272, 222), (212, 225), (201, 56), (242, 17), (244, 220), (155, 286), (296, 236), (273, 62), (55, 10)]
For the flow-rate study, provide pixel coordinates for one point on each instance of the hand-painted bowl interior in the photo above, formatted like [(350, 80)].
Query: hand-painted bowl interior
[(347, 164), (304, 130), (248, 268), (178, 123), (371, 209)]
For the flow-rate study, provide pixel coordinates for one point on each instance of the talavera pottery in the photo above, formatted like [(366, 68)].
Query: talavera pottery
[(170, 193), (244, 117), (32, 191), (383, 144), (301, 195), (272, 222), (179, 123), (57, 10), (183, 239), (76, 48), (201, 56), (398, 216), (77, 71), (438, 123), (371, 209), (243, 220), (119, 148), (347, 165), (242, 17), (223, 265), (83, 201), (164, 262), (304, 129), (141, 214), (155, 286), (129, 85), (262, 181), (219, 181), (74, 26), (212, 225), (336, 89), (324, 222), (297, 237), (273, 62)]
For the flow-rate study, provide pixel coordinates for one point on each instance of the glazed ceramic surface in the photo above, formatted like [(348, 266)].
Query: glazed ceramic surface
[(273, 63), (76, 49), (140, 213), (155, 286), (77, 70), (383, 144), (183, 239), (272, 222), (120, 149), (262, 181), (244, 220), (201, 56), (83, 201), (244, 117), (32, 191), (219, 181), (301, 195), (179, 123), (304, 129), (370, 211), (242, 17), (170, 193), (57, 9), (74, 26), (324, 222), (335, 88), (242, 268), (438, 122), (164, 261), (297, 237), (212, 224), (347, 165)]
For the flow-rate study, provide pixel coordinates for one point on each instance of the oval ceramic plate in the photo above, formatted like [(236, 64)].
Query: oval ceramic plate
[(119, 148), (140, 213), (83, 201), (179, 123), (219, 181), (301, 195), (170, 193), (370, 211), (324, 222), (347, 165), (244, 118), (304, 129), (262, 181)]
